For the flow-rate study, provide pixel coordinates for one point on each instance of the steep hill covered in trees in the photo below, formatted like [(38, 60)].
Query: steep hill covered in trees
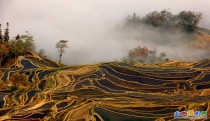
[(167, 31)]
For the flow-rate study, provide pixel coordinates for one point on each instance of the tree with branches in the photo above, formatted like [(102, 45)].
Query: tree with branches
[(189, 20), (61, 45), (22, 44)]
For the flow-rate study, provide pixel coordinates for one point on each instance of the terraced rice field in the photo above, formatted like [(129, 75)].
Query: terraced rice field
[(35, 89)]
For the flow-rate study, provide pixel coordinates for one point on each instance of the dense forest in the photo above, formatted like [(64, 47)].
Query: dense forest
[(186, 21)]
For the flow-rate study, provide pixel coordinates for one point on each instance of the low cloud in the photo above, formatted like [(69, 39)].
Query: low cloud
[(91, 26)]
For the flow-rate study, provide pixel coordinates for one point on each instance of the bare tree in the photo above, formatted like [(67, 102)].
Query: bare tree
[(61, 45)]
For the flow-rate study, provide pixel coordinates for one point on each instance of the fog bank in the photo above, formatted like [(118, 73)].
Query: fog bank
[(90, 26)]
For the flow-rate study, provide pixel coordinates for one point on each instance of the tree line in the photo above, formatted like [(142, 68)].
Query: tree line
[(186, 21), (20, 45), (12, 48)]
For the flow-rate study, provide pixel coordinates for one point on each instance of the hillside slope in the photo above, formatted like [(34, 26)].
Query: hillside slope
[(202, 40), (37, 89)]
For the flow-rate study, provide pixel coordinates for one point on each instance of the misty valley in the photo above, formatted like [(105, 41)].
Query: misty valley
[(144, 67)]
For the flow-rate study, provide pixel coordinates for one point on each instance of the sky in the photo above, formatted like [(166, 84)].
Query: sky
[(89, 25)]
